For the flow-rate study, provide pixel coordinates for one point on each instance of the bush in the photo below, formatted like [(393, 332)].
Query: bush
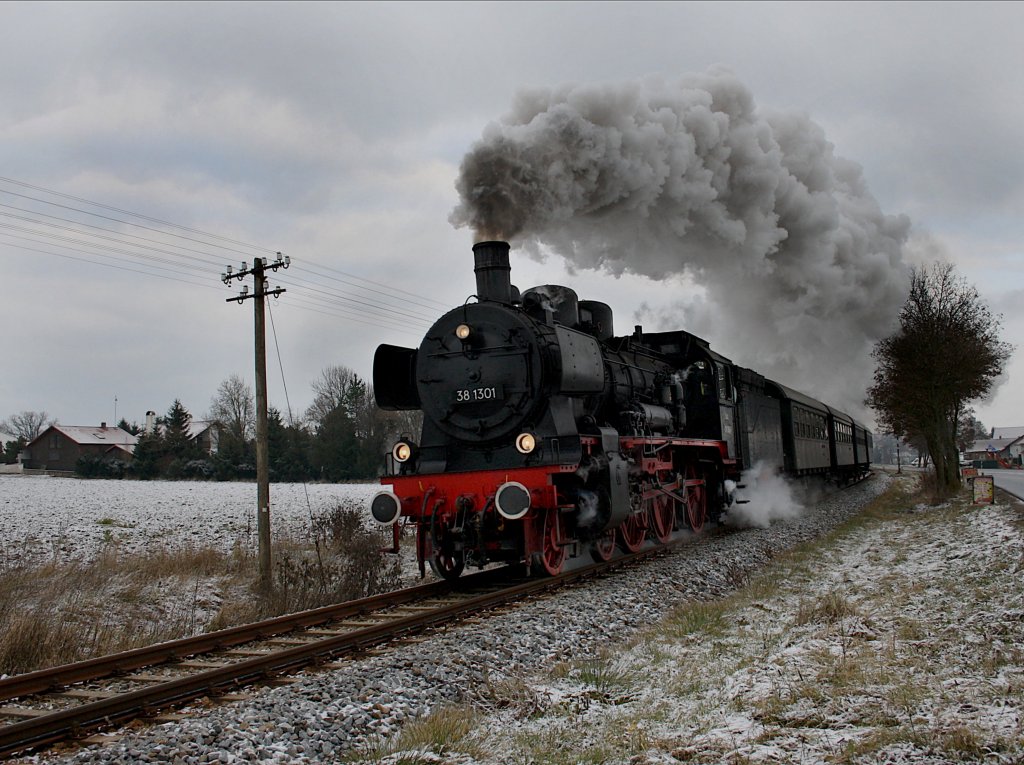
[(101, 467), (346, 563), (202, 469)]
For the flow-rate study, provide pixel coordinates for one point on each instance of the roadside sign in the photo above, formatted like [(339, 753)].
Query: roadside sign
[(983, 489)]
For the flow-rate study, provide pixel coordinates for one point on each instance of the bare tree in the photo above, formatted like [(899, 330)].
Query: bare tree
[(234, 408), (333, 389), (27, 425), (970, 430), (945, 354)]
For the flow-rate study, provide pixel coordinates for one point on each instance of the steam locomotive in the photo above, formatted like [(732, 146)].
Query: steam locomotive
[(546, 437)]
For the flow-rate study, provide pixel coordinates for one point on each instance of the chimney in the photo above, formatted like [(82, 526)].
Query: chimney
[(150, 422), (103, 426), (492, 271)]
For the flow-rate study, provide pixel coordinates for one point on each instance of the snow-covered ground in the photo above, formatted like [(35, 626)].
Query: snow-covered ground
[(58, 519), (901, 643)]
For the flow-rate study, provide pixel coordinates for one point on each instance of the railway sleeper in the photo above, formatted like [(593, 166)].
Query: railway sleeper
[(203, 664), (88, 694), (24, 712)]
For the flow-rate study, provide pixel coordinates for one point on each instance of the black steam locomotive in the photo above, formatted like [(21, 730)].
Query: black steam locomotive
[(545, 436)]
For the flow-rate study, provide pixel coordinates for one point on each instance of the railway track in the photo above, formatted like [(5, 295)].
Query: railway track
[(75, 701)]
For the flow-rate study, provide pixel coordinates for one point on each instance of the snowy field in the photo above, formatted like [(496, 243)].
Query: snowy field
[(56, 519)]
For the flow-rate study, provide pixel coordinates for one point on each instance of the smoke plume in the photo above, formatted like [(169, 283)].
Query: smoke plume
[(801, 270)]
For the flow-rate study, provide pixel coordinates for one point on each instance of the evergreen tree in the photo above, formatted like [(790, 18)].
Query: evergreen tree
[(134, 428), (177, 441), (149, 452), (178, 444), (235, 457), (12, 449), (288, 450), (337, 447)]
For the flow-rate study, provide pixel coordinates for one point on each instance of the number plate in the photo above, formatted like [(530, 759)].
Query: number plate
[(479, 394)]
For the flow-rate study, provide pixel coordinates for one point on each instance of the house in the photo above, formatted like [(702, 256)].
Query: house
[(59, 447), (205, 433), (1008, 432), (1000, 452)]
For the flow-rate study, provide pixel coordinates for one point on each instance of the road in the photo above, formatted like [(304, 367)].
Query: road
[(1011, 481)]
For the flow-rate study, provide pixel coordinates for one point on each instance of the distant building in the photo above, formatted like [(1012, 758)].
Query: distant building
[(205, 433), (59, 447), (997, 450), (1008, 432)]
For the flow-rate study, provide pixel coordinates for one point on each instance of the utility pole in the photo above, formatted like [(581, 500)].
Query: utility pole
[(260, 292)]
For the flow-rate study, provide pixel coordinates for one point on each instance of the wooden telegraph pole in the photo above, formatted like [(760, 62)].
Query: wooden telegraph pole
[(259, 294)]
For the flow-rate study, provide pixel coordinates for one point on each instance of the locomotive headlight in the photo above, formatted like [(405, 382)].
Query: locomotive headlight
[(403, 451), (526, 443), (463, 331)]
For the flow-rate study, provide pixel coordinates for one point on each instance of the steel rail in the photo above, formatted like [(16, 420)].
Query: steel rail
[(37, 732), (41, 681), (45, 729)]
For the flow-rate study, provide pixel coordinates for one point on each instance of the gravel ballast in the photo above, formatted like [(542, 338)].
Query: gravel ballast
[(327, 714)]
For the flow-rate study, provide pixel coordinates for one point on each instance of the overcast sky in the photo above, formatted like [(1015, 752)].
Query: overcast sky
[(334, 133)]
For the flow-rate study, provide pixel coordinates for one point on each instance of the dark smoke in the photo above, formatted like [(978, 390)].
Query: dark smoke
[(802, 271)]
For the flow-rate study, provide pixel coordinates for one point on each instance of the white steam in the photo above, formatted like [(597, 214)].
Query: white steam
[(770, 498), (588, 504), (801, 270)]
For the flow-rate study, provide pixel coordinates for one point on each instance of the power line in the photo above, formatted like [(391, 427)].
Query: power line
[(337, 311), (389, 306), (366, 315), (386, 290), (214, 259), (129, 212), (376, 306), (405, 300), (76, 240), (111, 265)]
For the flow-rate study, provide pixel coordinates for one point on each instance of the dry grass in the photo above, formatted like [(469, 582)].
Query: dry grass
[(855, 655), (422, 740), (831, 608), (708, 619), (60, 613)]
